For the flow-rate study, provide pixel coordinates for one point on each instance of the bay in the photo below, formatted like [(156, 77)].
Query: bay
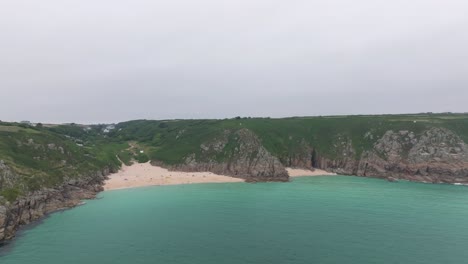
[(336, 219)]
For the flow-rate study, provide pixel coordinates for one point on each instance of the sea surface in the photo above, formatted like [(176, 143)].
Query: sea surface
[(335, 219)]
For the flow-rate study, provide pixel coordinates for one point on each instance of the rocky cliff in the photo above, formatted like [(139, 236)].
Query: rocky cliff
[(437, 155), (433, 155), (238, 154), (36, 205), (425, 147), (44, 169)]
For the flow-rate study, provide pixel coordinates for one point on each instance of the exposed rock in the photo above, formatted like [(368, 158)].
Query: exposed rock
[(248, 160), (217, 145), (437, 155), (6, 175), (3, 212), (304, 157), (40, 203), (391, 179), (51, 146)]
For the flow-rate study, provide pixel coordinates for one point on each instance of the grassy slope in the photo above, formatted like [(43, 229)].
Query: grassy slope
[(171, 141), (36, 156)]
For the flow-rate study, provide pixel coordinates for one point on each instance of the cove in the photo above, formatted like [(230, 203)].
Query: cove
[(336, 219)]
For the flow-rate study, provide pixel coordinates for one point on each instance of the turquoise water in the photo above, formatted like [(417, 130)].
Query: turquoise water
[(310, 220)]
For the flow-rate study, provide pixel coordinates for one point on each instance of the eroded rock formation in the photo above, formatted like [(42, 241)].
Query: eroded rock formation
[(36, 205), (243, 156), (437, 155)]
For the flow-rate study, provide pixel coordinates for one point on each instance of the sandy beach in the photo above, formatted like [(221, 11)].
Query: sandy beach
[(145, 174), (302, 172)]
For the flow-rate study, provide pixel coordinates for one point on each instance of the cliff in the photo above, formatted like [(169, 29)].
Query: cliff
[(42, 171), (436, 155), (422, 147), (46, 169), (37, 204), (238, 154)]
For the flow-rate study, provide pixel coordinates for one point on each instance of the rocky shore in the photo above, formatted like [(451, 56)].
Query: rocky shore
[(38, 204), (436, 155)]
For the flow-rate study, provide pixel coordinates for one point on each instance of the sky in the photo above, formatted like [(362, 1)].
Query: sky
[(103, 61)]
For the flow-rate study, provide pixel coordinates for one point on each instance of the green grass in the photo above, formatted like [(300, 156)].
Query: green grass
[(126, 157), (14, 129), (10, 194), (171, 142), (79, 150), (9, 128), (44, 158), (142, 158)]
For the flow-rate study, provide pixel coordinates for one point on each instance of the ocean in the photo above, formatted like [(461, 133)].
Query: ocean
[(329, 219)]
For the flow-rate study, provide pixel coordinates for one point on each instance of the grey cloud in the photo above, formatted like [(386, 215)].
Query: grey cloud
[(108, 61)]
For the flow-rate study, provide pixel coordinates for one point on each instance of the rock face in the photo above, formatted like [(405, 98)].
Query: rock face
[(6, 175), (437, 155), (243, 157), (303, 157), (36, 205)]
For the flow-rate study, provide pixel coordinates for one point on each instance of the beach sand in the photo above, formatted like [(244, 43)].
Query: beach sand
[(303, 172), (145, 174)]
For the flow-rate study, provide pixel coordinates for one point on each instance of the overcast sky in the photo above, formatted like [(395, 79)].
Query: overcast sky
[(93, 61)]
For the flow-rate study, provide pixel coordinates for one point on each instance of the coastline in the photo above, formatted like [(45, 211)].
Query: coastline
[(297, 172), (145, 174), (137, 175), (37, 205)]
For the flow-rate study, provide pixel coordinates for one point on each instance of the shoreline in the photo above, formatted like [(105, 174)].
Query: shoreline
[(297, 172), (145, 174)]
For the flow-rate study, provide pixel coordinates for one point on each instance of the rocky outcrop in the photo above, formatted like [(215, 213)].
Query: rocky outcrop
[(6, 175), (242, 154), (307, 157), (36, 205), (437, 155), (345, 162), (302, 157)]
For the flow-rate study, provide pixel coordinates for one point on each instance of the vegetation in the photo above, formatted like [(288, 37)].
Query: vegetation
[(171, 141), (45, 155)]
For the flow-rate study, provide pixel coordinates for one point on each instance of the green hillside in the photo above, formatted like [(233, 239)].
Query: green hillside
[(171, 141), (45, 156), (40, 157)]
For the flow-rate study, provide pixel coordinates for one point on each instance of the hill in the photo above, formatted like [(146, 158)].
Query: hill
[(405, 146), (45, 168)]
